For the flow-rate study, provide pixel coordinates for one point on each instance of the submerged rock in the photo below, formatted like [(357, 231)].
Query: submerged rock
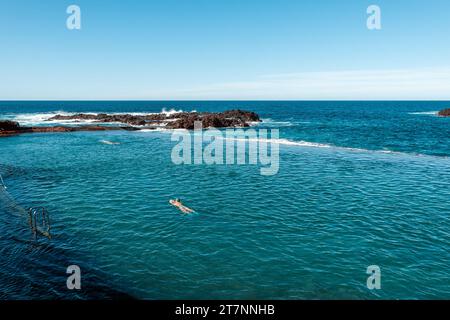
[(444, 113)]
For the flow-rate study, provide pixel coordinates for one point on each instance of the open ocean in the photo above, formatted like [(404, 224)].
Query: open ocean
[(359, 184)]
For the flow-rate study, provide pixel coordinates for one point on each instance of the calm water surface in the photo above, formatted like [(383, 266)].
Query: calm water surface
[(359, 184)]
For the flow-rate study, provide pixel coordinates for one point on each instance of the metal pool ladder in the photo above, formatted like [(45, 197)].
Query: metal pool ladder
[(38, 217), (2, 182), (39, 222)]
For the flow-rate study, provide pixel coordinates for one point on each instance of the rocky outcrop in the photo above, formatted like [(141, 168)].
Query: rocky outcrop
[(7, 125), (444, 113), (104, 118), (181, 120), (17, 129), (209, 120)]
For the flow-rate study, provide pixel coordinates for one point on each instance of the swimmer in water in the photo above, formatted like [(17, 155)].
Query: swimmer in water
[(177, 203)]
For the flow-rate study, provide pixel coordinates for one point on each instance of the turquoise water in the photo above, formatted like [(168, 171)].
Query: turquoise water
[(359, 184)]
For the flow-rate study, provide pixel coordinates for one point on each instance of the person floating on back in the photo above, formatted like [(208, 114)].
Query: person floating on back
[(177, 203)]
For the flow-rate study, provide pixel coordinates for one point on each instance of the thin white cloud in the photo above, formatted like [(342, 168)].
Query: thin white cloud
[(421, 84)]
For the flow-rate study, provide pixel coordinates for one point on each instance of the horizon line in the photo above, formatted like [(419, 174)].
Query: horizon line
[(222, 100)]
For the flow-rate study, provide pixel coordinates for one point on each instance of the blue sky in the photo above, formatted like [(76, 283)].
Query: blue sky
[(224, 49)]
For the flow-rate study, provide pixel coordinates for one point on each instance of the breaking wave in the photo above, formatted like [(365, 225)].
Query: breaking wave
[(426, 113), (39, 119), (309, 144)]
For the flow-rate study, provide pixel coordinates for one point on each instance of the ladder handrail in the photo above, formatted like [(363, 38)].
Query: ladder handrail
[(38, 217), (2, 182), (39, 221)]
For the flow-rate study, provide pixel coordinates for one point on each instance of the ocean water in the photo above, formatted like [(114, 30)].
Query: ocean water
[(359, 184)]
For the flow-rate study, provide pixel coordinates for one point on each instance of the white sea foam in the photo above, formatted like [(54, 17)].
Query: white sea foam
[(307, 144), (429, 113), (156, 129), (287, 142), (170, 112), (109, 142), (275, 123), (36, 119), (173, 111), (300, 143), (271, 122)]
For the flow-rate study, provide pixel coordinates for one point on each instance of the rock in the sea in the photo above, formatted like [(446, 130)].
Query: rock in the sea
[(180, 120), (9, 128), (243, 115), (444, 113), (207, 120), (6, 125), (134, 120)]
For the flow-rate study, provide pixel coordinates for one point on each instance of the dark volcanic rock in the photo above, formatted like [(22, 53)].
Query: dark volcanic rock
[(135, 120), (444, 113), (19, 130), (185, 122), (102, 117), (231, 118), (7, 125), (80, 128), (243, 115), (180, 120)]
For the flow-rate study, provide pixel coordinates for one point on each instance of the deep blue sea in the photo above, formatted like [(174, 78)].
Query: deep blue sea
[(359, 184)]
